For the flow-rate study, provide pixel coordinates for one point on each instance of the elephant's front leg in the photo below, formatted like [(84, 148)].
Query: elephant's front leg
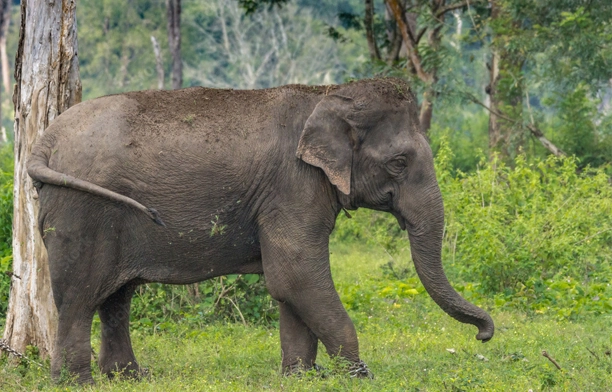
[(298, 342), (296, 267)]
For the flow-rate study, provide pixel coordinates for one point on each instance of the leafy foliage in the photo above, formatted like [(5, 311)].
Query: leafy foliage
[(575, 38), (538, 220), (581, 128)]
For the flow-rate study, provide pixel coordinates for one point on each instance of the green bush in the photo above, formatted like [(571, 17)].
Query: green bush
[(542, 219), (535, 236), (236, 298)]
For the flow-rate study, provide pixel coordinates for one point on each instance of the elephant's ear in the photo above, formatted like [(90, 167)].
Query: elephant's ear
[(327, 141)]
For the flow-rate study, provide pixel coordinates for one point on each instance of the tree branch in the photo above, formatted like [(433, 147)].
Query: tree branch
[(551, 359), (420, 35), (451, 7), (394, 36), (535, 131), (398, 13)]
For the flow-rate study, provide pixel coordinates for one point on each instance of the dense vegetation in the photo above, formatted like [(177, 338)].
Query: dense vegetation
[(527, 235)]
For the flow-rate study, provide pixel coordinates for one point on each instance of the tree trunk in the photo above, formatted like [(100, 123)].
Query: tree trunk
[(394, 37), (495, 139), (408, 26), (368, 21), (159, 63), (505, 89), (426, 111), (47, 83), (429, 95), (174, 41)]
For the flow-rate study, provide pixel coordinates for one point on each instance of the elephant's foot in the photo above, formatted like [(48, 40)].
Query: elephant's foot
[(131, 370), (299, 370), (65, 377), (360, 370)]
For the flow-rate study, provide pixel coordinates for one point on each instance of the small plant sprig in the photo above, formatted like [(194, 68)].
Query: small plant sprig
[(217, 229)]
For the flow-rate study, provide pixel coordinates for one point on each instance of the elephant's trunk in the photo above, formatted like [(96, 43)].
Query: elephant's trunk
[(424, 219)]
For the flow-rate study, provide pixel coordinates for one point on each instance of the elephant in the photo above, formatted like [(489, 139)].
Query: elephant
[(182, 186)]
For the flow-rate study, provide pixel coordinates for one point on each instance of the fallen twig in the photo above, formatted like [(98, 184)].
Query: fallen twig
[(551, 359), (592, 353)]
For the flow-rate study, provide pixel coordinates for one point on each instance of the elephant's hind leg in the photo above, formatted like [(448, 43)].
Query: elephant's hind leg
[(72, 353), (116, 353)]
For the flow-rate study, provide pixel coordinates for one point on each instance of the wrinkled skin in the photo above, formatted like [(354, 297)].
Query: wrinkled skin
[(245, 182)]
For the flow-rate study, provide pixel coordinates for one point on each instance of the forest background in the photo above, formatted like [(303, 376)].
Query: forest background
[(517, 100)]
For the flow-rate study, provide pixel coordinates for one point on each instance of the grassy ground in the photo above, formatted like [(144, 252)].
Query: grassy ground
[(407, 341)]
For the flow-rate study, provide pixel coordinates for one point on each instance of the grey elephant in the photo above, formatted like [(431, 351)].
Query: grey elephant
[(181, 186)]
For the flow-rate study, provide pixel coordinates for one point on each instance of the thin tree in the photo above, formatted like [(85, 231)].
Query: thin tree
[(48, 83), (405, 14), (505, 86), (159, 63), (173, 8)]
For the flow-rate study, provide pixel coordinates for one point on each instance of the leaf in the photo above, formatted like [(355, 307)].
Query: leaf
[(251, 278)]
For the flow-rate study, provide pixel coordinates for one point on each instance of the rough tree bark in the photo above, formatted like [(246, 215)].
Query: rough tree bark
[(173, 8), (47, 83)]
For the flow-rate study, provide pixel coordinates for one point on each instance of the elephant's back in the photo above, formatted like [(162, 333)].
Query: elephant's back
[(198, 110), (144, 132)]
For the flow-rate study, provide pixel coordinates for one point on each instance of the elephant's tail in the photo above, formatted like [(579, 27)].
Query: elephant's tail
[(41, 173)]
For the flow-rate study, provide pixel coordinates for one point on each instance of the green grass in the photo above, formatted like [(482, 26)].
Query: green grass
[(404, 339)]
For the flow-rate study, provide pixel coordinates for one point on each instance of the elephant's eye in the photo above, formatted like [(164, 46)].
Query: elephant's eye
[(396, 166)]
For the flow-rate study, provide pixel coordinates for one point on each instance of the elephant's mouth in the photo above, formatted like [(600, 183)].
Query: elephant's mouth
[(400, 220)]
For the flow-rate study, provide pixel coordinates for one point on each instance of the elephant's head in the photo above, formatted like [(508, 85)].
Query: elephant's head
[(365, 136)]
